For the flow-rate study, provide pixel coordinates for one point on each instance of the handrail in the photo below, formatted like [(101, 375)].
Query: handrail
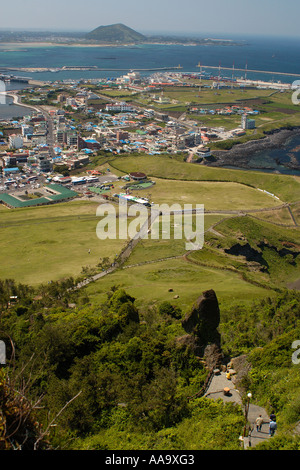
[(207, 383)]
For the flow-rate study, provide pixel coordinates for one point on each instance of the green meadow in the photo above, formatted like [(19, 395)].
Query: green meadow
[(150, 284), (47, 243), (41, 244), (214, 195), (285, 187)]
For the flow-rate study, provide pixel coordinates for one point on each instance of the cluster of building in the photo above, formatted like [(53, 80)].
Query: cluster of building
[(25, 145), (30, 131), (116, 127), (225, 111)]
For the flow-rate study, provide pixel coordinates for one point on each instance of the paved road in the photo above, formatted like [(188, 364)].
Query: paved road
[(217, 385), (215, 391), (257, 436)]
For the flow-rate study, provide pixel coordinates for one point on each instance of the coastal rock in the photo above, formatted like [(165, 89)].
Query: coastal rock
[(213, 356), (241, 155)]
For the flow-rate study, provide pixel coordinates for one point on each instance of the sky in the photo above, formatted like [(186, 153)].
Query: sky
[(227, 17)]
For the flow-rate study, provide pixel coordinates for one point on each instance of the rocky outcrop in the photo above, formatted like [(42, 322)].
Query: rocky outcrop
[(241, 155), (201, 324), (204, 315), (242, 368), (247, 251)]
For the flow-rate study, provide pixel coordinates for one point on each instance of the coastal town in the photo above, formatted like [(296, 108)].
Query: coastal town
[(70, 122)]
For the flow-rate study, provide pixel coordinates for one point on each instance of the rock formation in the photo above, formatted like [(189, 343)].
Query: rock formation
[(201, 325)]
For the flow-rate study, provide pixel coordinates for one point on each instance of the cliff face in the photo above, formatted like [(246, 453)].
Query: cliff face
[(201, 324)]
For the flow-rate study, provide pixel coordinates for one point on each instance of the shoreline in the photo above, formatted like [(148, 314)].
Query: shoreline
[(23, 45), (16, 102)]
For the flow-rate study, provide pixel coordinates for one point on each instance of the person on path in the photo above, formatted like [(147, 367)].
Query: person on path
[(259, 421), (272, 428)]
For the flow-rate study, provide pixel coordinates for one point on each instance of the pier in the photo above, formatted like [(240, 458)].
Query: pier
[(246, 70), (14, 78), (80, 68)]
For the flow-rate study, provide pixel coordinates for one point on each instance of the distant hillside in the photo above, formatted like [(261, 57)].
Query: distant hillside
[(115, 33)]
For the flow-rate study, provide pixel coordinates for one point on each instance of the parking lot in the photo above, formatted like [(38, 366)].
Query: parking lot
[(19, 181), (31, 182)]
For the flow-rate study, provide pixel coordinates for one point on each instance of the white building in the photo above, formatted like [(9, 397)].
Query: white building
[(247, 123), (203, 152), (15, 141), (121, 107)]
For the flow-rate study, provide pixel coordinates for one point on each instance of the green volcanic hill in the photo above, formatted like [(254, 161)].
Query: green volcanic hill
[(116, 33)]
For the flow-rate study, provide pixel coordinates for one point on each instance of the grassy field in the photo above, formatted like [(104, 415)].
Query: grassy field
[(153, 250), (40, 244), (279, 216), (52, 242), (150, 284), (277, 246), (214, 195), (212, 96), (286, 187)]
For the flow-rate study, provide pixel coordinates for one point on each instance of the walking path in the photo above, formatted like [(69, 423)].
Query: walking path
[(216, 390)]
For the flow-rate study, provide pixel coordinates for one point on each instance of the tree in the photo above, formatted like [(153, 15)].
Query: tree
[(166, 308), (19, 429)]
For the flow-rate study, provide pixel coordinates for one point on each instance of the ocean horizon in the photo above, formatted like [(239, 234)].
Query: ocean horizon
[(258, 53)]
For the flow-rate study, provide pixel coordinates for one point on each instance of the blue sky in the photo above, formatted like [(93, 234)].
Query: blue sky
[(227, 17)]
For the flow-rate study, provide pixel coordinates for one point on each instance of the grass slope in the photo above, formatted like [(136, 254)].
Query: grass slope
[(49, 243), (286, 187)]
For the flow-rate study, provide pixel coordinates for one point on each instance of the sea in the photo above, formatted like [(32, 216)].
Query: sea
[(269, 54), (272, 54)]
